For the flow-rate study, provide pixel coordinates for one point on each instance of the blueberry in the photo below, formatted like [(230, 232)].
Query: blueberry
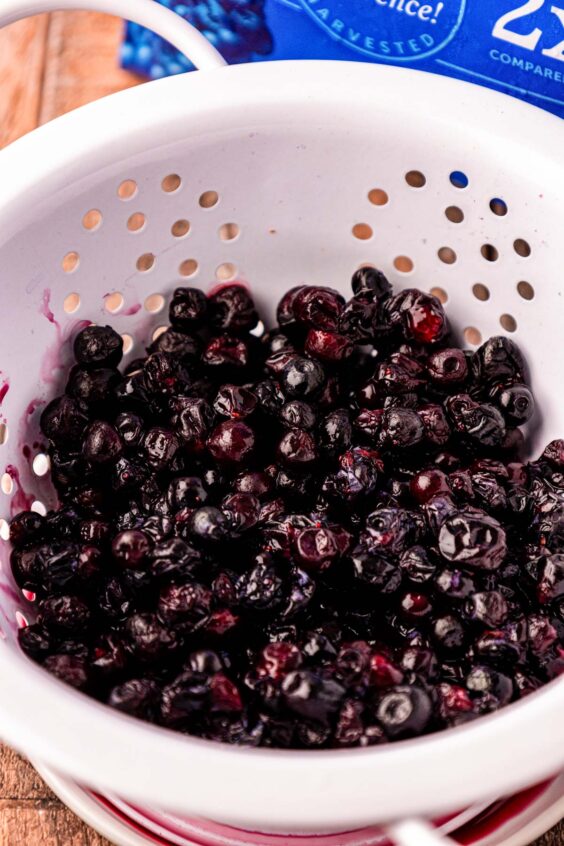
[(184, 606), (498, 360), (474, 539), (372, 282), (260, 588), (297, 448), (69, 669), (177, 344), (311, 696), (448, 367), (148, 639), (516, 403), (335, 432), (130, 428), (26, 528), (102, 443), (192, 420), (404, 712), (188, 309), (489, 688), (232, 309), (232, 442), (209, 524), (137, 697), (400, 428), (318, 307), (98, 346), (63, 422), (186, 696), (233, 401), (92, 386), (301, 377), (298, 414), (328, 346), (376, 569)]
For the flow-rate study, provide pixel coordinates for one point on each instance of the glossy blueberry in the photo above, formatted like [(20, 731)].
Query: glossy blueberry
[(98, 346), (301, 377), (188, 309), (232, 309)]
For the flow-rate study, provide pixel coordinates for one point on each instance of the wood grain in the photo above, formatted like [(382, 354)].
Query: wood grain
[(81, 62), (49, 65), (22, 62)]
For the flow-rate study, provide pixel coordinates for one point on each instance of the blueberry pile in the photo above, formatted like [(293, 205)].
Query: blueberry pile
[(321, 536), (237, 28)]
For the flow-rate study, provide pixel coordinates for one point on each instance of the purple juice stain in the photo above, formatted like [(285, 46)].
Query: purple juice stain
[(21, 501), (132, 309), (4, 390)]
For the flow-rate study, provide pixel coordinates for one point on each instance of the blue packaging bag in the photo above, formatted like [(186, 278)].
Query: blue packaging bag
[(514, 46)]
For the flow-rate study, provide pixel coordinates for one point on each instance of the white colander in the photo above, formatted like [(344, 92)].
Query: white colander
[(278, 174)]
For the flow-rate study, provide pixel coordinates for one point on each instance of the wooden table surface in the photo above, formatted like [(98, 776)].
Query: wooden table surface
[(49, 65)]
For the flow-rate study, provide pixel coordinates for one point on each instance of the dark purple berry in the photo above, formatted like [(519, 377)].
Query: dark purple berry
[(63, 422), (400, 428), (102, 443), (69, 669), (192, 420), (404, 712), (318, 307), (474, 539), (311, 696), (226, 352), (160, 446), (489, 688), (137, 697), (26, 528), (188, 308), (232, 442), (64, 614), (178, 345), (376, 569), (488, 608), (285, 311), (335, 432), (92, 387), (98, 346), (36, 641), (448, 367), (130, 428), (209, 524), (301, 377), (261, 587), (498, 360), (417, 565), (232, 309), (297, 448), (243, 510), (184, 606), (148, 639), (449, 635), (253, 482), (131, 548), (233, 401), (424, 485), (186, 696), (328, 346), (372, 282), (516, 403), (298, 414)]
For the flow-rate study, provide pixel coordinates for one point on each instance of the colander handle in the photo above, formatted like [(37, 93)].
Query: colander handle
[(147, 13), (416, 833)]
